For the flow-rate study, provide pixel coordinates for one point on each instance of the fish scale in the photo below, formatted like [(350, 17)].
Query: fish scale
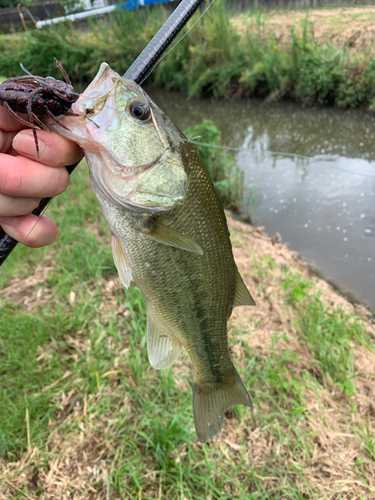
[(169, 233)]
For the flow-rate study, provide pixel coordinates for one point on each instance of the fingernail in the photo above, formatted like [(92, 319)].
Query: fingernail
[(24, 143), (9, 221)]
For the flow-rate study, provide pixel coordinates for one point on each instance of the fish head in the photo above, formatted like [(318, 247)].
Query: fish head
[(133, 150)]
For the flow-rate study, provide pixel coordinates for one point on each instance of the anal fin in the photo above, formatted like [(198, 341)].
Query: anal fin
[(242, 296), (121, 263), (163, 348)]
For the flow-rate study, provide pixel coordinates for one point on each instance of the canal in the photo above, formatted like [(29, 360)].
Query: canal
[(310, 173)]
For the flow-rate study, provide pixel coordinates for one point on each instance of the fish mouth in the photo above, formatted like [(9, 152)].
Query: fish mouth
[(130, 176)]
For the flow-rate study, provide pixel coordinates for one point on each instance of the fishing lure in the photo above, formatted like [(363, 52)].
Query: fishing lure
[(38, 97)]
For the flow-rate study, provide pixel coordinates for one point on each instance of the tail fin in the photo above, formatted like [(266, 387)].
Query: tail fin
[(210, 402)]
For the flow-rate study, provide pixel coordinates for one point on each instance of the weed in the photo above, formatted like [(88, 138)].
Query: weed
[(80, 52), (329, 332), (253, 63), (365, 434), (228, 178)]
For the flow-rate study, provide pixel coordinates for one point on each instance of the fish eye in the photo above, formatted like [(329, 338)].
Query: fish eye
[(140, 111)]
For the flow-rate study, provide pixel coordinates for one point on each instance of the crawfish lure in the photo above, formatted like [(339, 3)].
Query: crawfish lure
[(38, 97)]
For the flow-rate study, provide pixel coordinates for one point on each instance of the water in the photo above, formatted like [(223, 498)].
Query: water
[(324, 205)]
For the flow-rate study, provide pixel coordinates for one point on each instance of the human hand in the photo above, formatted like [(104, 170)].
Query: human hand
[(24, 180)]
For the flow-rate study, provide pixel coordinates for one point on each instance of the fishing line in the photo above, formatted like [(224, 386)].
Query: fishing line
[(310, 159), (229, 148), (248, 150), (288, 155), (175, 45), (328, 161)]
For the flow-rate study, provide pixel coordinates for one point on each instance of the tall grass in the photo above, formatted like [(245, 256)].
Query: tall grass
[(118, 41), (214, 58)]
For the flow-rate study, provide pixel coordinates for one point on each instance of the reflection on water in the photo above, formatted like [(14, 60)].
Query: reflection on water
[(324, 205)]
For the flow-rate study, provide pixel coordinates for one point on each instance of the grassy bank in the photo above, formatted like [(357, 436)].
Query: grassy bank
[(84, 414), (222, 56)]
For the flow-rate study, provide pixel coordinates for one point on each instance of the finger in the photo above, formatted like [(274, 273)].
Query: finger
[(6, 139), (22, 177), (8, 122), (9, 128), (31, 230), (11, 206), (54, 150)]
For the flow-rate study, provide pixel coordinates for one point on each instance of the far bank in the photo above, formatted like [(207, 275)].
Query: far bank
[(322, 56)]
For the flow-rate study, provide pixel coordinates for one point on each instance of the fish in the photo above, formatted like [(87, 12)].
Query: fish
[(168, 233)]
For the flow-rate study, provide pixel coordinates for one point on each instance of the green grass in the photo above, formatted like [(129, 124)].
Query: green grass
[(252, 63), (328, 332), (74, 356), (81, 52)]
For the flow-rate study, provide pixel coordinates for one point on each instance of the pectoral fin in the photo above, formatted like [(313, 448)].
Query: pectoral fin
[(123, 268), (163, 348), (172, 238), (242, 296)]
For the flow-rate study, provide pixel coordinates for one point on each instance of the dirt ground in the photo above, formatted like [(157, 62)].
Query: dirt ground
[(353, 27)]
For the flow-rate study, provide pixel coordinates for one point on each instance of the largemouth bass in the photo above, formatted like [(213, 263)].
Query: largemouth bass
[(169, 233)]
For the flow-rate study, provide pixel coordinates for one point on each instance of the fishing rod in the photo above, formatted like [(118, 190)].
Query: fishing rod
[(138, 72)]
